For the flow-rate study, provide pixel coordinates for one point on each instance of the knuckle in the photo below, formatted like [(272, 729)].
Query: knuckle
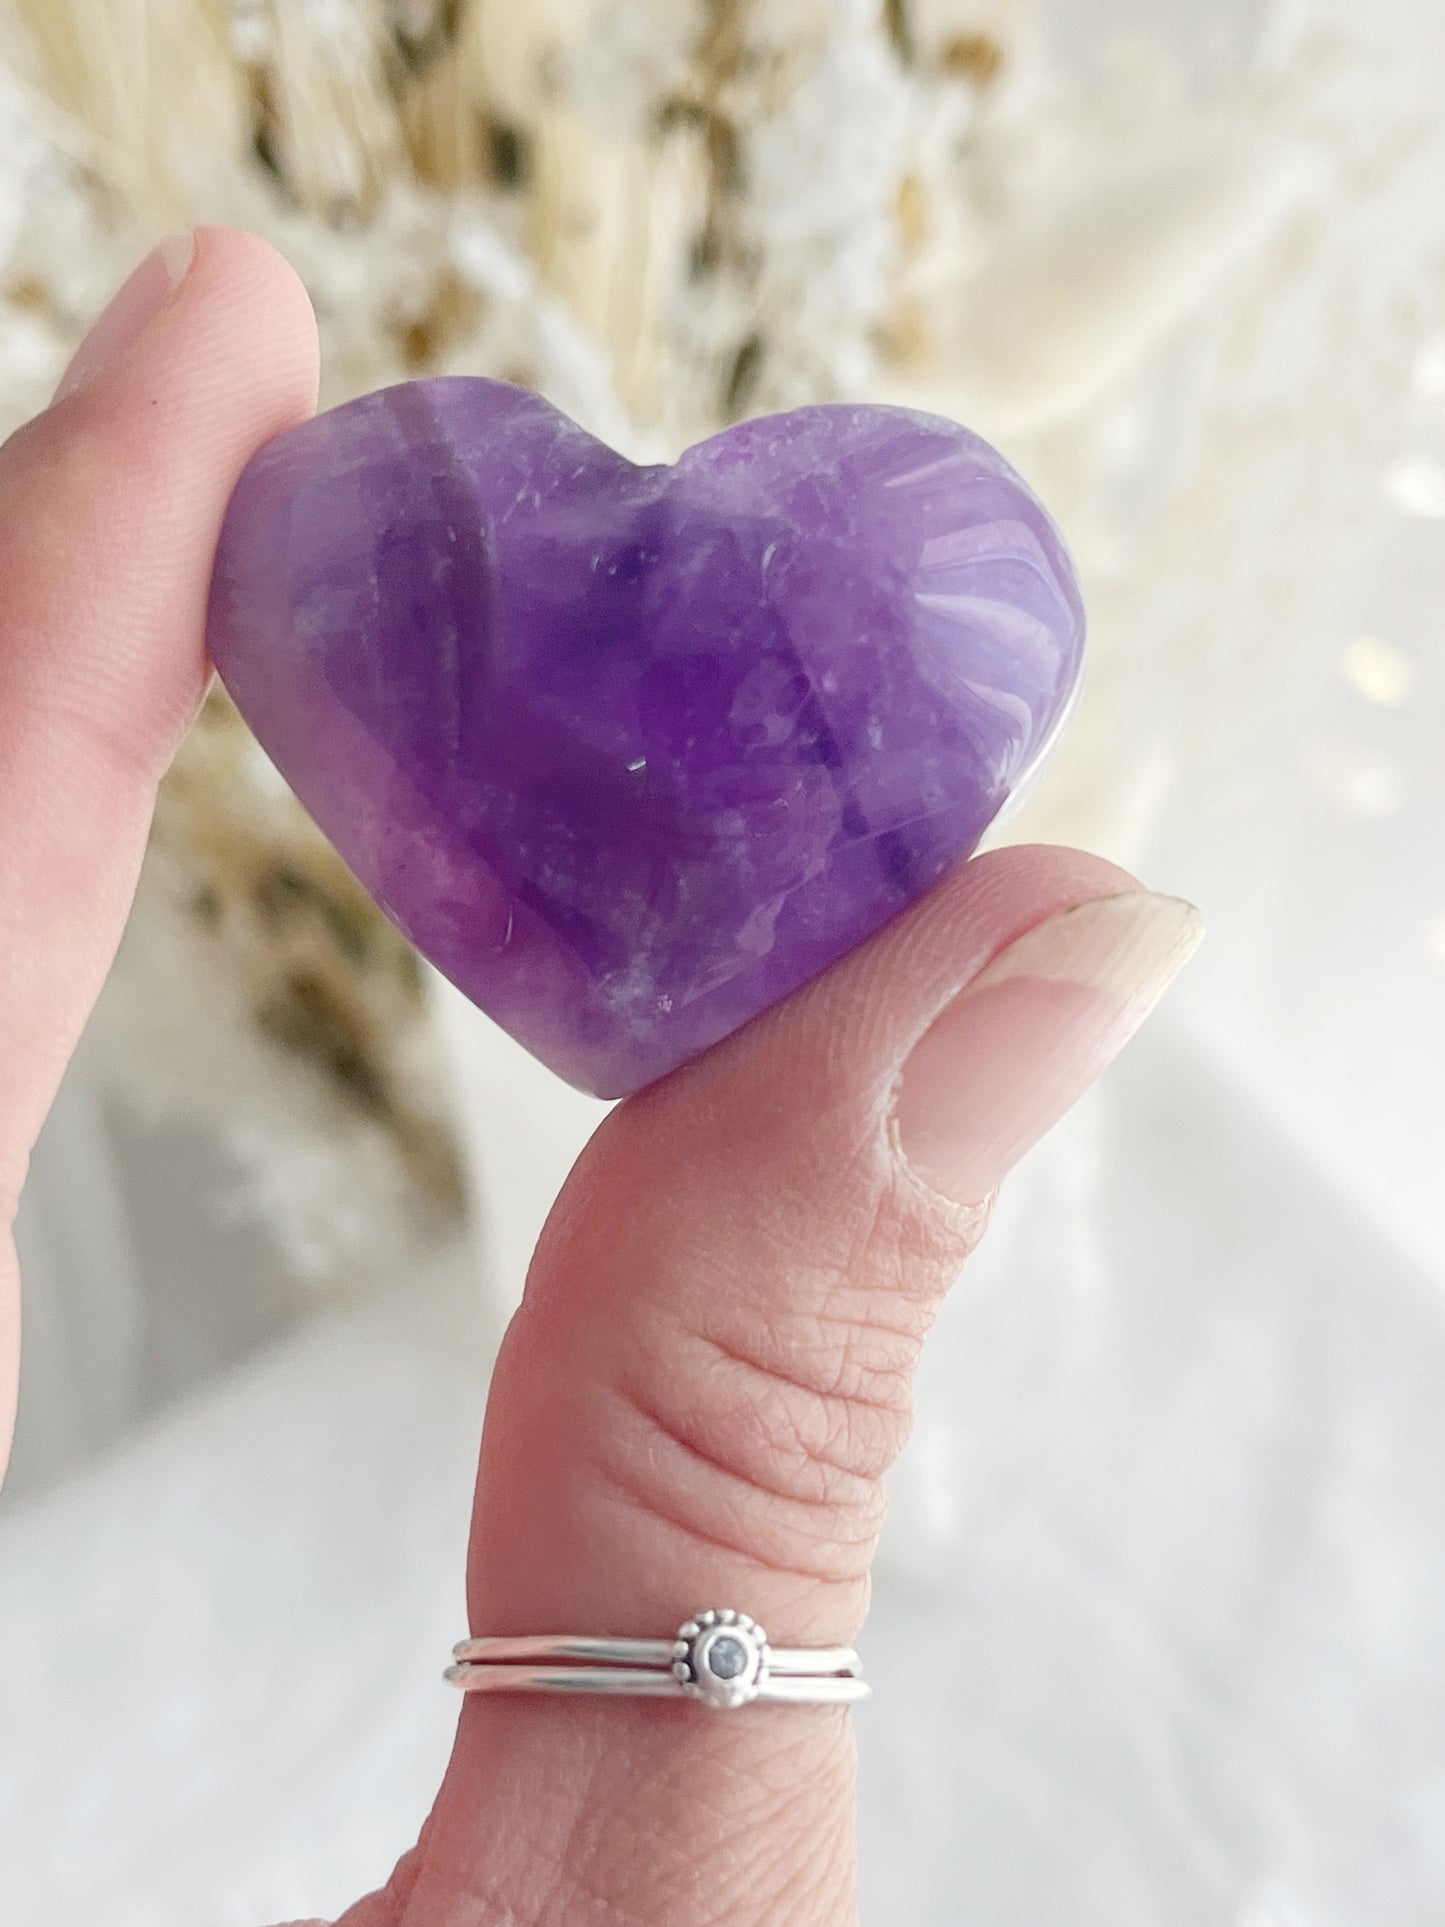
[(724, 1485), (767, 1418)]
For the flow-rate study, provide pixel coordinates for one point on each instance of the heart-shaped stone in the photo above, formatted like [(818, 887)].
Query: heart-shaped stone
[(630, 753)]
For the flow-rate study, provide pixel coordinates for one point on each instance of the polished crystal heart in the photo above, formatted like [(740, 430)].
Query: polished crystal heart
[(632, 752)]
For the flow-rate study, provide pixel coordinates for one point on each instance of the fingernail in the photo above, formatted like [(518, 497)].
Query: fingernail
[(140, 298), (1022, 1042)]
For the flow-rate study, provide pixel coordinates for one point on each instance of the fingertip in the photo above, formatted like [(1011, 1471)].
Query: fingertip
[(209, 295), (261, 305), (853, 1024), (795, 1106), (230, 360), (1023, 869)]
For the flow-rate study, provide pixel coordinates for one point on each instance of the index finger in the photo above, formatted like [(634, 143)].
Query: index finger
[(110, 505)]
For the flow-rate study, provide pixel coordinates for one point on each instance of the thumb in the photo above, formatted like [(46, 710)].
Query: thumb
[(710, 1375)]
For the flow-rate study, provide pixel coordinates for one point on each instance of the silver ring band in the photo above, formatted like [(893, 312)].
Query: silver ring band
[(721, 1658)]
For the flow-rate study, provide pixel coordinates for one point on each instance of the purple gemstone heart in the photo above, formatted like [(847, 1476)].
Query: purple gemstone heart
[(630, 753)]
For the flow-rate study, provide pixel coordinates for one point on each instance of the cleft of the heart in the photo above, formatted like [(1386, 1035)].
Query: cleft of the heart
[(631, 753)]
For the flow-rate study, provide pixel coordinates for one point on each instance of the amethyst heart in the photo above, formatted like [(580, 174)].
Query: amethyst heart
[(630, 753)]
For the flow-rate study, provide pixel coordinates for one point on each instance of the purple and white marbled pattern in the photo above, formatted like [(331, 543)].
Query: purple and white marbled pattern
[(631, 753)]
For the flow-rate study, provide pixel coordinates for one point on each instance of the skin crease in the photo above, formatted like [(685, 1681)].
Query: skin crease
[(710, 1375)]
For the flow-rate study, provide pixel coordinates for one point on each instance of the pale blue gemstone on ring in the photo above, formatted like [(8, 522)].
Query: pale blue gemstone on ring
[(727, 1658)]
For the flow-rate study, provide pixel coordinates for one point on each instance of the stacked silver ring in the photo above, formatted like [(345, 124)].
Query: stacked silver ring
[(719, 1657)]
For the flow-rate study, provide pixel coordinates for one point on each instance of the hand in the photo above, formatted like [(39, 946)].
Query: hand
[(711, 1373)]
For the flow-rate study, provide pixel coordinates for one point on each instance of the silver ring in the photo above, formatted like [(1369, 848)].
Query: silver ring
[(721, 1658)]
